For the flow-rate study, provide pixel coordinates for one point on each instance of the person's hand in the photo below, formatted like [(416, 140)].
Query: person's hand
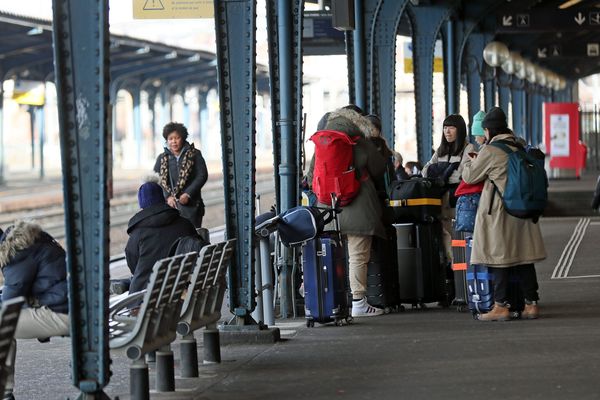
[(172, 201), (184, 198)]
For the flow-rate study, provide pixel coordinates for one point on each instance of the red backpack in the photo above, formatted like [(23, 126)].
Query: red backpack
[(334, 167)]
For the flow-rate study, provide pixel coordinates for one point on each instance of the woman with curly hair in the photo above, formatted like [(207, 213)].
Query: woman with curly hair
[(182, 173)]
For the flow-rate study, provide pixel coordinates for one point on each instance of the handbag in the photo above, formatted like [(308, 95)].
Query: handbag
[(466, 211)]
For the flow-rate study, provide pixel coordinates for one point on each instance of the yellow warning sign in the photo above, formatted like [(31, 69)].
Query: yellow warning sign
[(32, 93), (173, 9)]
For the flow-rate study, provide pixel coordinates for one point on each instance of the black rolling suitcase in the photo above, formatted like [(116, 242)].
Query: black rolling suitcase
[(459, 269), (382, 274), (421, 272)]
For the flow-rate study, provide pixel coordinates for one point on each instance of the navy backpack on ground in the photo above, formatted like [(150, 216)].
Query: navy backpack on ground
[(526, 191)]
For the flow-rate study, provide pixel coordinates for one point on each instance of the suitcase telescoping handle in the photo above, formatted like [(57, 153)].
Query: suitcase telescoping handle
[(335, 211)]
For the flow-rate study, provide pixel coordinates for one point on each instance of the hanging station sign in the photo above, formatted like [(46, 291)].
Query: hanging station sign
[(173, 9)]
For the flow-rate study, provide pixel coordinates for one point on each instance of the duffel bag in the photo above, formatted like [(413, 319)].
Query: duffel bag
[(416, 200), (300, 224)]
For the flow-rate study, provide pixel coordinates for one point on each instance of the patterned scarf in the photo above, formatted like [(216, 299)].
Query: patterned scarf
[(187, 164)]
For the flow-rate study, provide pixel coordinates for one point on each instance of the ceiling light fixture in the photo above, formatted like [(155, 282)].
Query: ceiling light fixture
[(569, 3)]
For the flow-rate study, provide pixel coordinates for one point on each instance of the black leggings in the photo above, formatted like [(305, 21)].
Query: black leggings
[(526, 276)]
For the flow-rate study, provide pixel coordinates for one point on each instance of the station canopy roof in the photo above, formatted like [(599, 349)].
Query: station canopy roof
[(26, 53), (560, 35)]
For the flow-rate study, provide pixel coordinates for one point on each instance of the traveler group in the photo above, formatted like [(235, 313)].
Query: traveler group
[(505, 240)]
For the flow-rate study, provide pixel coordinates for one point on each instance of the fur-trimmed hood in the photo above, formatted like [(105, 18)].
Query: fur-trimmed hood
[(364, 126), (18, 237)]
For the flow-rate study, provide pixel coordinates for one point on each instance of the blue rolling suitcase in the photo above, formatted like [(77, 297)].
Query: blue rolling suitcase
[(480, 288), (325, 280)]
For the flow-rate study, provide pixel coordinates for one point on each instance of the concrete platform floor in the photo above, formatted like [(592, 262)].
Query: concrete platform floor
[(418, 354)]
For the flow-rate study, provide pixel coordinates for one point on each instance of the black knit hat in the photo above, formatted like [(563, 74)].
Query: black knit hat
[(495, 119)]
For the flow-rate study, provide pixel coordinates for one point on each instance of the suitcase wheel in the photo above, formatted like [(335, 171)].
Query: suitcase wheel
[(310, 323)]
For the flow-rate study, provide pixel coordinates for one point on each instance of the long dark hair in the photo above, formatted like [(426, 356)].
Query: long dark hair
[(456, 147)]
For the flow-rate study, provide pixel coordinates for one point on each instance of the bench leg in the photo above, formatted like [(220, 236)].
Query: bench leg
[(138, 380), (212, 346), (189, 357), (165, 370)]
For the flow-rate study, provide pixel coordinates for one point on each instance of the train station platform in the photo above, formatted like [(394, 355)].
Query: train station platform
[(417, 354)]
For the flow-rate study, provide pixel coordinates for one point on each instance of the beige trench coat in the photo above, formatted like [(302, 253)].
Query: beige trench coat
[(500, 240)]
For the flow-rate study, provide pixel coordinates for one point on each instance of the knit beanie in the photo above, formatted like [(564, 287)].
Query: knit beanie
[(149, 194), (476, 128), (495, 119)]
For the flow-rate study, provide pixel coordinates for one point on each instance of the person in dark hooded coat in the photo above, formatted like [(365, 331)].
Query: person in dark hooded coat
[(152, 231), (34, 266)]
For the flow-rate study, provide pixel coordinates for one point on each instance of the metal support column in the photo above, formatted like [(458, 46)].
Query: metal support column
[(81, 60), (472, 68), (503, 91), (450, 71), (383, 101), (202, 117), (165, 107), (358, 53), (426, 23), (287, 166), (518, 108), (371, 9), (349, 47), (1, 130), (489, 88), (41, 128), (137, 124), (537, 115), (235, 25), (528, 116)]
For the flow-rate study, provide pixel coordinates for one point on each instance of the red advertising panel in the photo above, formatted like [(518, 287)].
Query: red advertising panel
[(561, 136)]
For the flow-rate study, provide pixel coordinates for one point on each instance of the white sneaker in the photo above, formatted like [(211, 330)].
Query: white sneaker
[(360, 308)]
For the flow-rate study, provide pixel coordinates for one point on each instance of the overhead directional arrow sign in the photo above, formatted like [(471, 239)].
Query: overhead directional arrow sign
[(549, 20), (542, 52)]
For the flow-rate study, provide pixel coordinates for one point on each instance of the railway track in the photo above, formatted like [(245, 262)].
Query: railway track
[(123, 207)]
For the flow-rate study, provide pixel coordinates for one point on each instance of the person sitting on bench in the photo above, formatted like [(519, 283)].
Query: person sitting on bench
[(34, 266)]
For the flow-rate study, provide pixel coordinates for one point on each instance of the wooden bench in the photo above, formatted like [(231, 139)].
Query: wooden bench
[(9, 316), (202, 306), (137, 329)]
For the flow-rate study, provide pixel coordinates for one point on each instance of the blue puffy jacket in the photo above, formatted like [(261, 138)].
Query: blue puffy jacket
[(34, 266)]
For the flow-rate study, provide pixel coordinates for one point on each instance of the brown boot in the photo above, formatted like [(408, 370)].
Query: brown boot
[(498, 313), (531, 311)]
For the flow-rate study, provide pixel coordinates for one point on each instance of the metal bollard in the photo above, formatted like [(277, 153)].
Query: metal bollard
[(267, 281), (189, 357), (139, 381), (165, 370), (212, 346), (257, 314)]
